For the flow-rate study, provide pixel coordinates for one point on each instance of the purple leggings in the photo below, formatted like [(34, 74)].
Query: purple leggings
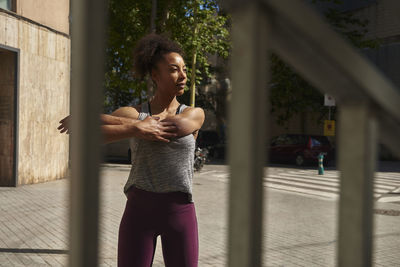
[(148, 215)]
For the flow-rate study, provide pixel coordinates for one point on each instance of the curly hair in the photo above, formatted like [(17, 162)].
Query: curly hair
[(149, 51)]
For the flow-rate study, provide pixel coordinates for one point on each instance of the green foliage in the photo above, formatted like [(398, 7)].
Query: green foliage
[(290, 93), (130, 20)]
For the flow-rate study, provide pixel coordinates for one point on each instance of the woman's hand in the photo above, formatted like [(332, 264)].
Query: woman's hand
[(65, 125), (153, 129)]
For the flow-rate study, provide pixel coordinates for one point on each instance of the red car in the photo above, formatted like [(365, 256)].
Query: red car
[(300, 149)]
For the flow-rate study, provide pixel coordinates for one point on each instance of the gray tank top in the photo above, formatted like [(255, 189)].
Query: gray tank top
[(162, 167)]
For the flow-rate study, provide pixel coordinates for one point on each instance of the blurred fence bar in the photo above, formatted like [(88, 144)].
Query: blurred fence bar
[(88, 27), (369, 105), (248, 114), (358, 135), (295, 32)]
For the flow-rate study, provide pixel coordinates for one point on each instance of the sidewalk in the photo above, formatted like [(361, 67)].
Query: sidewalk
[(34, 222), (299, 230)]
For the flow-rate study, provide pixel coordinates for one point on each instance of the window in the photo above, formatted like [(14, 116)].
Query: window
[(315, 142), (281, 140), (7, 4)]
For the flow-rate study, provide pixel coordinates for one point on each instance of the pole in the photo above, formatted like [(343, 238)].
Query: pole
[(248, 116), (87, 74), (329, 114), (357, 160)]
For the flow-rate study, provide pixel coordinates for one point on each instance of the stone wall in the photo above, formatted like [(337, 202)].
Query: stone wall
[(44, 93), (52, 13)]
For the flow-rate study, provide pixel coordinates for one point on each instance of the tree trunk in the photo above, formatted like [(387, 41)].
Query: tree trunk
[(193, 78), (165, 15), (194, 55), (153, 17)]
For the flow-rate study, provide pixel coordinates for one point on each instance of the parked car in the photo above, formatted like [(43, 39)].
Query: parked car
[(300, 149)]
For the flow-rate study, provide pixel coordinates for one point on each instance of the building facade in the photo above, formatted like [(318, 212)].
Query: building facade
[(34, 90), (384, 25)]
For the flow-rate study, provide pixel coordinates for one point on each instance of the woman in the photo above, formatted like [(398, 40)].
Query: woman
[(159, 187)]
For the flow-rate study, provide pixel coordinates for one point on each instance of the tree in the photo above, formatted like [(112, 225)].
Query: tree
[(207, 35), (197, 25), (128, 21), (290, 93)]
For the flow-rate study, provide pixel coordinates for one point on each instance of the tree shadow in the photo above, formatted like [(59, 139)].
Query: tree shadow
[(33, 250)]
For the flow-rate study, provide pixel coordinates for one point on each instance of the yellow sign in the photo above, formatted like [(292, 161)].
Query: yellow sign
[(329, 128)]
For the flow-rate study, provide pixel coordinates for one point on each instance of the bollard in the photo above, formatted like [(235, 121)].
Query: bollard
[(321, 164)]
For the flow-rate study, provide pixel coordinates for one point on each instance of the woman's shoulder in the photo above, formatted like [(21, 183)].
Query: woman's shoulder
[(194, 113), (128, 112), (189, 109)]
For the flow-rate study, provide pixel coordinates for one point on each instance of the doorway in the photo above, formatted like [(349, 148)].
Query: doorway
[(8, 116)]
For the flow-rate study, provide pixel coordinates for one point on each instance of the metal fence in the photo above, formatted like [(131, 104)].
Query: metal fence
[(368, 103), (368, 106)]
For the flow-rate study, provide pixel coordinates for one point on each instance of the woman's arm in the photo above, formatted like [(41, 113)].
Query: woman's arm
[(105, 119), (123, 123), (187, 122), (150, 129)]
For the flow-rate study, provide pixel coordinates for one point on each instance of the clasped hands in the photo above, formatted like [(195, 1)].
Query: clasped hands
[(152, 128)]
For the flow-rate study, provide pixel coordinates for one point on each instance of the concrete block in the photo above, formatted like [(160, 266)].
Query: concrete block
[(45, 98), (27, 73), (2, 29), (41, 73), (23, 35), (43, 42), (47, 70), (11, 31), (27, 41), (51, 48), (61, 48), (32, 39), (47, 43)]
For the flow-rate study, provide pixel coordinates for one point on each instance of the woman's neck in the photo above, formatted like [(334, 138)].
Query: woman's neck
[(161, 103)]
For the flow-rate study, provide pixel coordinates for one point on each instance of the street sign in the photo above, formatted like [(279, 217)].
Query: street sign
[(329, 128), (329, 101)]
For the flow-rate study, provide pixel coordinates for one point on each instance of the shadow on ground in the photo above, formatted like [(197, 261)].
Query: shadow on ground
[(34, 250)]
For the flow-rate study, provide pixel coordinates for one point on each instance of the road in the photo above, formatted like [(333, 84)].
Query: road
[(308, 182), (300, 209)]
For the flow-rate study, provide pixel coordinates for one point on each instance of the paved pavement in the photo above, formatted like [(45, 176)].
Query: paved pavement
[(300, 218)]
